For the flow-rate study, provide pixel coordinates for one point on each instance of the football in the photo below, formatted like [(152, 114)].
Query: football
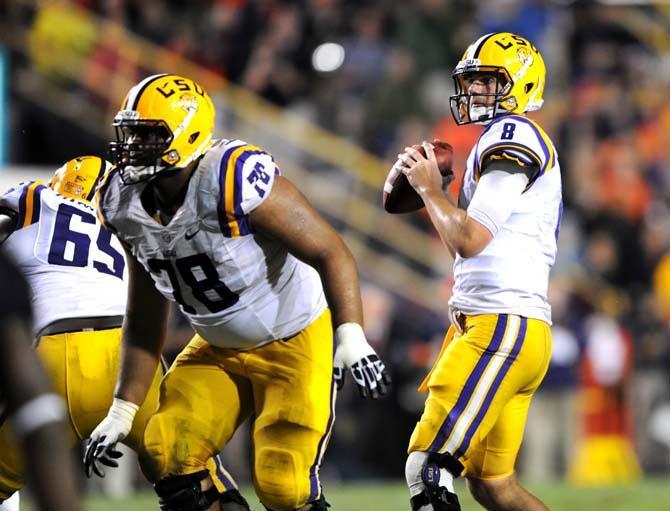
[(399, 196)]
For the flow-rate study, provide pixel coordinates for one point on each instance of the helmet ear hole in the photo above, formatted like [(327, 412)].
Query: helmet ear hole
[(528, 87), (193, 137)]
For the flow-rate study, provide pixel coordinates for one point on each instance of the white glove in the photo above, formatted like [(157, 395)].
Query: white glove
[(354, 352), (102, 442)]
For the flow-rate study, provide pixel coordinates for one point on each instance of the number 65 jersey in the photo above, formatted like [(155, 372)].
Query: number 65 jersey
[(239, 288), (75, 267)]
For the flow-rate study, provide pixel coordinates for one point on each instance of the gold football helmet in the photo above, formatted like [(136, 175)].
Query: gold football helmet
[(79, 177), (518, 69), (166, 122)]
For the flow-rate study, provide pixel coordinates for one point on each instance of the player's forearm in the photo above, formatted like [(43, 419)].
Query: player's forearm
[(341, 285), (451, 224), (138, 367), (140, 355)]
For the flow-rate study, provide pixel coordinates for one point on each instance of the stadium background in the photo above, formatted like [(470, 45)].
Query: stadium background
[(335, 89)]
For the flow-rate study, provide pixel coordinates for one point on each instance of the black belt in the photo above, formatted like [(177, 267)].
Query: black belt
[(69, 325)]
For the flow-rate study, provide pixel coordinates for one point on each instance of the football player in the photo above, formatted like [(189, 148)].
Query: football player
[(503, 236), (27, 404), (264, 281), (77, 271)]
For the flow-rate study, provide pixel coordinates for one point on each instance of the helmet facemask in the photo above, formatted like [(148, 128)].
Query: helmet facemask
[(467, 107), (140, 148)]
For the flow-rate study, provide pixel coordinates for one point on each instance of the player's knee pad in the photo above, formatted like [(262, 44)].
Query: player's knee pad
[(184, 493), (277, 473), (422, 472)]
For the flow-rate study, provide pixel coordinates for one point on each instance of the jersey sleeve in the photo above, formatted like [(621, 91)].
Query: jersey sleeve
[(516, 145), (24, 203), (106, 201), (246, 176)]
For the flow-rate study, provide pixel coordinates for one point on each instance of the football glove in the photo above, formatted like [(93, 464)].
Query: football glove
[(100, 449), (353, 352)]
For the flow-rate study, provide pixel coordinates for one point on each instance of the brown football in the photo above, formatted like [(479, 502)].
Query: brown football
[(399, 196)]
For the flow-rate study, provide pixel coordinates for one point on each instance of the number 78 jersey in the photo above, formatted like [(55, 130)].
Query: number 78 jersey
[(238, 288), (75, 267)]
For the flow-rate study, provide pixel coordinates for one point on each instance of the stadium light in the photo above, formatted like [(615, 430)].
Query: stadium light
[(328, 57)]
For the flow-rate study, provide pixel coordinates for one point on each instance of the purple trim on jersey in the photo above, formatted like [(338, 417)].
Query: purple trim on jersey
[(314, 484), (37, 204), (470, 385), (227, 483), (543, 144), (493, 389), (221, 208), (22, 204), (242, 219), (514, 146)]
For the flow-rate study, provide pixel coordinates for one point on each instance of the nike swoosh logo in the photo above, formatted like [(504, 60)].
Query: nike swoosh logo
[(189, 235)]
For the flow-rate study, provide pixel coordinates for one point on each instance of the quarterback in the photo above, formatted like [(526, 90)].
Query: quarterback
[(503, 236), (77, 272), (263, 280)]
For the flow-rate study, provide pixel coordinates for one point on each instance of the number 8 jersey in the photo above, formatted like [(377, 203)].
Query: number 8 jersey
[(511, 275), (239, 288), (75, 267)]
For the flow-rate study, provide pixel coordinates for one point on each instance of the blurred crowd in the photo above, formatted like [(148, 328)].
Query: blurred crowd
[(605, 109)]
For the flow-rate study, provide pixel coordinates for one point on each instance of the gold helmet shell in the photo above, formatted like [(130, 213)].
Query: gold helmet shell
[(166, 122), (517, 65), (79, 177)]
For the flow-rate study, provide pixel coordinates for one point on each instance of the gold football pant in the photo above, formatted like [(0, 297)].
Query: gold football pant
[(287, 385), (82, 368), (480, 390)]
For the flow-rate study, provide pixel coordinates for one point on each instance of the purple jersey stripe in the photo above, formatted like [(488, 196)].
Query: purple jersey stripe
[(509, 360), (470, 385), (221, 209), (314, 485), (227, 483), (540, 138), (37, 204), (242, 219), (22, 204)]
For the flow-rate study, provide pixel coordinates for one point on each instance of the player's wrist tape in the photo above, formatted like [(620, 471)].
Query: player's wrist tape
[(37, 413), (123, 410), (350, 333)]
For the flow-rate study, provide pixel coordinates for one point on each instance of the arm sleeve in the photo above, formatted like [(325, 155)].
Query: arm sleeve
[(497, 193)]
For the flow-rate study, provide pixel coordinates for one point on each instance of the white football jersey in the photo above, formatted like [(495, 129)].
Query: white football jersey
[(75, 267), (511, 275), (239, 288)]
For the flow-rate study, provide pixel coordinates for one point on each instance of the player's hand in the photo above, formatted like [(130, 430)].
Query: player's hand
[(353, 352), (100, 449), (422, 172)]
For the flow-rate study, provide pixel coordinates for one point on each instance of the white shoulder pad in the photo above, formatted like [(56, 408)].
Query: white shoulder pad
[(518, 137), (246, 176), (25, 200)]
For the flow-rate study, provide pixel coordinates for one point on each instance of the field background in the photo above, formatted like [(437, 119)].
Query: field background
[(649, 495)]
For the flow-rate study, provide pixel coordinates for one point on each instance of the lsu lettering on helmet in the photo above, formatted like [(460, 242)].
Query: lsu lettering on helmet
[(166, 122), (79, 177), (518, 69)]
